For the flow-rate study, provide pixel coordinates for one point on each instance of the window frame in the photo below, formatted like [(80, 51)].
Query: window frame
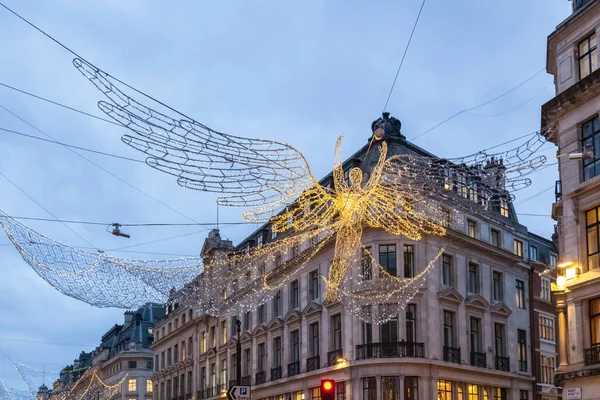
[(520, 294), (595, 226), (522, 350), (366, 271), (498, 238), (591, 52), (391, 262), (592, 317), (472, 228), (448, 270), (497, 295), (409, 260), (545, 289), (473, 278), (518, 247)]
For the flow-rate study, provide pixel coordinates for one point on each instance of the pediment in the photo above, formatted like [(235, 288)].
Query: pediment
[(211, 352), (292, 316), (312, 308), (477, 301), (275, 323), (232, 343), (328, 303), (451, 295), (245, 337), (501, 309), (259, 330)]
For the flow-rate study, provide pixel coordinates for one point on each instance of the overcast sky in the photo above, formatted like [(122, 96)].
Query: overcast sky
[(297, 72)]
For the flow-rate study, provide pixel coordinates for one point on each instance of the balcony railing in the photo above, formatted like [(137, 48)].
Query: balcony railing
[(232, 383), (390, 350), (592, 356), (247, 380), (276, 373), (478, 359), (452, 354), (260, 378), (294, 368), (502, 363), (206, 393), (313, 363), (334, 356)]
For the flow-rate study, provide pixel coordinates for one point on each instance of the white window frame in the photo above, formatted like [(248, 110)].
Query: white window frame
[(545, 292)]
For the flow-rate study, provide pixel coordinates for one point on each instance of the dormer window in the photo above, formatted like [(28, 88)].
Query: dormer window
[(588, 56), (259, 240)]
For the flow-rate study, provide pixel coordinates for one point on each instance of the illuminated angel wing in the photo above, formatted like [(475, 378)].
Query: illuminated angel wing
[(257, 173)]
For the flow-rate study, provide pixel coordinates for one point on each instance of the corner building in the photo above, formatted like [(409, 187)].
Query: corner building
[(466, 334), (572, 123)]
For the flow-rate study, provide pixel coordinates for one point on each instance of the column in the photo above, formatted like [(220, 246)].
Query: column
[(561, 334)]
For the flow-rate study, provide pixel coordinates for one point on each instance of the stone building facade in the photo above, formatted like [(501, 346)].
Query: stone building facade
[(466, 334), (571, 121)]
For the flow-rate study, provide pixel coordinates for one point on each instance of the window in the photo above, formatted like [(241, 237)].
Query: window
[(409, 261), (533, 253), (369, 388), (500, 394), (340, 390), (446, 218), (278, 260), (223, 332), (248, 362), (131, 364), (156, 363), (203, 343), (545, 289), (183, 353), (496, 238), (295, 349), (366, 264), (595, 321), (169, 357), (223, 371), (485, 395), (273, 235), (248, 320), (498, 286), (411, 323), (294, 295), (475, 335), (548, 364), (553, 261), (546, 328), (504, 208), (213, 336), (316, 393), (499, 340), (387, 258), (518, 248), (213, 375), (336, 322), (262, 357), (444, 390), (390, 387), (592, 223), (471, 228), (473, 392), (523, 395), (447, 270), (262, 314), (131, 385), (389, 331), (277, 352), (587, 56), (313, 284), (313, 332), (259, 240), (522, 349), (520, 295), (202, 378), (411, 388), (473, 278), (277, 309), (175, 354), (449, 329)]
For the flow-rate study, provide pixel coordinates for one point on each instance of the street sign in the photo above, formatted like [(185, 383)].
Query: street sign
[(239, 393), (573, 393)]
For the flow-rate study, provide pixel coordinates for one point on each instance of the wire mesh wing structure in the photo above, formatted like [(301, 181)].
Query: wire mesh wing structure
[(261, 174), (97, 278)]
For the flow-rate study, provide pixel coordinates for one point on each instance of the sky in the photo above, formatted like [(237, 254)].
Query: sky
[(300, 73)]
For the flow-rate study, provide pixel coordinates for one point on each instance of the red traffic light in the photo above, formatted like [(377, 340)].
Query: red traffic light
[(327, 389)]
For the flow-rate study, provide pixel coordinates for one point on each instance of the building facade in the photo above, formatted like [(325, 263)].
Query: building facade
[(571, 121), (466, 334)]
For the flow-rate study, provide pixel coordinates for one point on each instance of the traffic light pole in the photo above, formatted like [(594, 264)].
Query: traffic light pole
[(238, 355)]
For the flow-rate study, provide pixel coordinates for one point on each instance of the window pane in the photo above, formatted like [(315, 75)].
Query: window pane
[(590, 216), (583, 47), (593, 262), (595, 323), (592, 41), (588, 172), (584, 67), (595, 307), (592, 240)]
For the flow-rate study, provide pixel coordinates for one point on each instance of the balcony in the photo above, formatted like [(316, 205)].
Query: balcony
[(334, 356), (276, 373), (294, 368), (260, 378), (591, 356), (206, 393), (452, 354), (390, 350), (247, 380), (478, 359), (502, 363), (313, 363)]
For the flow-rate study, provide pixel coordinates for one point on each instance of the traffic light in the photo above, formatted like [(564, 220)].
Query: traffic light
[(327, 389)]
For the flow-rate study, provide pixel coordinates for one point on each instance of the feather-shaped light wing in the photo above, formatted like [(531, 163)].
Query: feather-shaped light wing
[(252, 172)]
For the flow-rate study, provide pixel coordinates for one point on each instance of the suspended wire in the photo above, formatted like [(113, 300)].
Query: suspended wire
[(70, 145), (50, 343), (479, 105), (513, 108), (56, 103), (99, 166), (129, 224), (535, 215), (403, 56), (534, 196), (44, 208)]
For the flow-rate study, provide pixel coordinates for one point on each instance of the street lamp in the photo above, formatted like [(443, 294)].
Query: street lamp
[(238, 355)]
